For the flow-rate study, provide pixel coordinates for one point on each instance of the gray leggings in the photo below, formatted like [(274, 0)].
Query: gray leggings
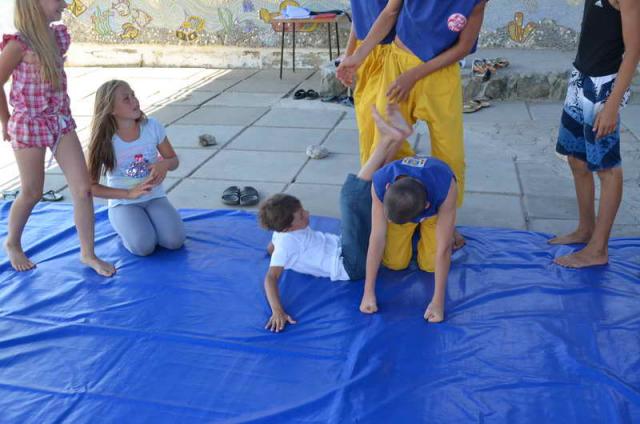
[(143, 226)]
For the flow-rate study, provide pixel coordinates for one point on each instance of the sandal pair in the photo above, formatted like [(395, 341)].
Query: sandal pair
[(47, 196), (305, 94), (234, 196)]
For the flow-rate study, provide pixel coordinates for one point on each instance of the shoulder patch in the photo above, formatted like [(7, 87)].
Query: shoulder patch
[(415, 162)]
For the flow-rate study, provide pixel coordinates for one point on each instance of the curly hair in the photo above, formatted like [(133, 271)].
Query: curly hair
[(276, 213)]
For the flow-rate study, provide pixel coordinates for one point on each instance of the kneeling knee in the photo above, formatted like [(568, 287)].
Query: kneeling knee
[(141, 248)]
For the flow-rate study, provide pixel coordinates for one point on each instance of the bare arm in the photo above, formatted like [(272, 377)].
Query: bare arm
[(9, 59), (607, 120), (351, 44), (377, 242), (279, 318), (445, 228), (168, 163), (399, 90), (270, 248), (105, 192), (380, 29)]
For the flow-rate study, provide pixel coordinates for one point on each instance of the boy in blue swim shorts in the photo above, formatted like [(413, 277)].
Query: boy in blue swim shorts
[(608, 54)]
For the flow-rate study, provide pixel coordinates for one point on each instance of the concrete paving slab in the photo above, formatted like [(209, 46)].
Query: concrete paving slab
[(206, 194), (278, 139), (244, 100), (219, 115), (186, 136), (234, 74), (631, 119), (542, 179), (330, 170), (506, 112), (491, 210), (217, 85), (318, 199), (263, 86), (343, 141), (545, 207), (348, 124), (287, 75), (170, 114), (192, 98), (236, 165), (546, 111), (190, 160), (492, 176), (300, 118)]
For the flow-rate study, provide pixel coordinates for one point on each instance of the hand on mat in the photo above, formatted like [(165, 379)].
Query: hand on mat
[(434, 313), (369, 304), (278, 321), (606, 120), (158, 173), (347, 70), (139, 190), (399, 89)]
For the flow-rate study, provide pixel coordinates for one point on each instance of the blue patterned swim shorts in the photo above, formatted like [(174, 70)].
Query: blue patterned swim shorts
[(585, 98)]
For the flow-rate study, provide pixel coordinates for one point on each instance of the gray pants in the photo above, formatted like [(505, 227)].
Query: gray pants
[(143, 226)]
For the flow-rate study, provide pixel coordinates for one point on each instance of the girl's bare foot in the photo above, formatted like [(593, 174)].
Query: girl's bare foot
[(98, 265), (385, 129), (434, 313), (19, 260), (577, 236), (397, 120), (582, 259), (458, 240)]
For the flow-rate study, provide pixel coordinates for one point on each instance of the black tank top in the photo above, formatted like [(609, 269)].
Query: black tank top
[(601, 45)]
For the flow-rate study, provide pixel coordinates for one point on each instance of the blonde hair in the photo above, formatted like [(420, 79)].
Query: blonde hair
[(31, 22), (103, 127)]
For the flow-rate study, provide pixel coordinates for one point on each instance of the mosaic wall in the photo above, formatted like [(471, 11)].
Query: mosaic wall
[(513, 23)]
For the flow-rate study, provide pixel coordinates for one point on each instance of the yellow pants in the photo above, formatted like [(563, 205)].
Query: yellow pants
[(365, 95), (437, 100)]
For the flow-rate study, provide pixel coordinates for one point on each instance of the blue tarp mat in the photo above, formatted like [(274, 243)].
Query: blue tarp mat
[(179, 336)]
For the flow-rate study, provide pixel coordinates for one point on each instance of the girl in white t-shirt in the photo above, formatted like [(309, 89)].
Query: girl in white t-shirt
[(125, 148)]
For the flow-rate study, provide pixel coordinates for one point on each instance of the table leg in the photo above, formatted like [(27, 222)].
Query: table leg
[(329, 32), (294, 47), (282, 50), (338, 39)]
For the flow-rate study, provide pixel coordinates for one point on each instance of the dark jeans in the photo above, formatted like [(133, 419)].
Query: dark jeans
[(355, 207)]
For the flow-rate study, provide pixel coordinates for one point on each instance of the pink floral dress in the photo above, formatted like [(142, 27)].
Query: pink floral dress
[(41, 113)]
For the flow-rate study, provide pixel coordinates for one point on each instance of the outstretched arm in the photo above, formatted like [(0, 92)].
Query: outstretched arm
[(399, 90), (445, 228), (279, 318), (607, 120), (380, 29), (377, 241)]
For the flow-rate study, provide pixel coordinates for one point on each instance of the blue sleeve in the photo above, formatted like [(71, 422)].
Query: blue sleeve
[(158, 130)]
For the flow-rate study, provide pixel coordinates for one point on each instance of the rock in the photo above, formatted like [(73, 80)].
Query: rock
[(329, 84), (317, 152), (206, 140)]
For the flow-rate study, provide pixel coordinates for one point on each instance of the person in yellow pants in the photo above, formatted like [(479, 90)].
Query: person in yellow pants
[(367, 78)]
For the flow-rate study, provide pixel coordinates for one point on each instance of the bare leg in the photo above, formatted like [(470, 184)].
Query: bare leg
[(585, 193), (390, 141), (31, 167), (71, 159), (596, 252)]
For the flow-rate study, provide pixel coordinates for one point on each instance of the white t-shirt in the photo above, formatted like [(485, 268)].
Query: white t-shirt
[(309, 252), (133, 159)]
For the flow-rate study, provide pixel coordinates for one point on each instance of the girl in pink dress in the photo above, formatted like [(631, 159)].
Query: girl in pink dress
[(34, 59)]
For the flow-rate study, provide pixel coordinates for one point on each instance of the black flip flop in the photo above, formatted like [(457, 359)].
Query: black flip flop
[(312, 94), (249, 196), (300, 94), (51, 196), (231, 196)]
